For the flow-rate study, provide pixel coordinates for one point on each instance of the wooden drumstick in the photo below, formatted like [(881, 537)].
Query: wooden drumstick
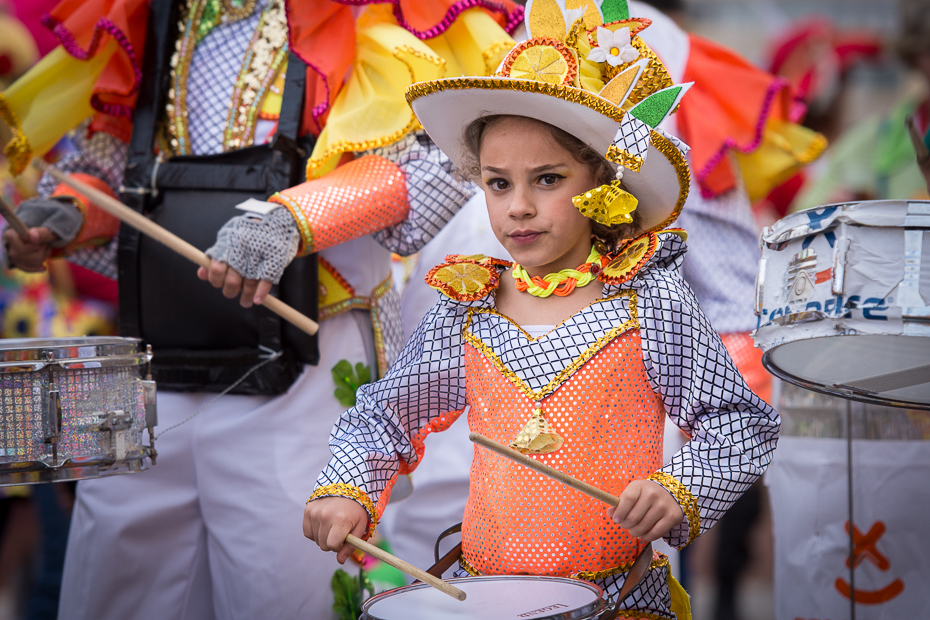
[(405, 567), (555, 474), (9, 214), (148, 227)]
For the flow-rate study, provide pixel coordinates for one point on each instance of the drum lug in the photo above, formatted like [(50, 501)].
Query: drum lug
[(54, 421), (151, 412), (839, 265)]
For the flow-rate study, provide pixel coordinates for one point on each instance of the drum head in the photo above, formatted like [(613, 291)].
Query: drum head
[(881, 369), (490, 598)]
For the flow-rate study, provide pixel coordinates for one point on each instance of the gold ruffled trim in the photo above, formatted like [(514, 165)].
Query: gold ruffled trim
[(345, 146), (814, 150), (351, 492), (566, 93), (685, 499), (489, 54), (566, 372), (18, 150)]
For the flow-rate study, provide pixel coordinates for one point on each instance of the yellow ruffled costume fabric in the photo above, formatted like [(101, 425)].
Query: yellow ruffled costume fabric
[(48, 101), (371, 110)]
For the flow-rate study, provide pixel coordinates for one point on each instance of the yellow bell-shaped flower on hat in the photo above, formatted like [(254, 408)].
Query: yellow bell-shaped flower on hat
[(608, 204)]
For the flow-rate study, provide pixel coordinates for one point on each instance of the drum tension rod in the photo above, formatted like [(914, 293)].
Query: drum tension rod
[(54, 410)]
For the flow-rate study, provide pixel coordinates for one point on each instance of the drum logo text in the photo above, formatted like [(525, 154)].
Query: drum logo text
[(536, 612)]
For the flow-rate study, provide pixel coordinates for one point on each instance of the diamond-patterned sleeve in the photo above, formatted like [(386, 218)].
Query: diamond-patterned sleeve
[(733, 432), (383, 435), (433, 192), (101, 156)]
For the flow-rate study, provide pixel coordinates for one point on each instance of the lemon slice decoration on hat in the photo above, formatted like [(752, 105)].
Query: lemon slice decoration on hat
[(541, 60)]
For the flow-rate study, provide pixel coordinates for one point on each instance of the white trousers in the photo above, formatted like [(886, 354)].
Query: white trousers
[(213, 531)]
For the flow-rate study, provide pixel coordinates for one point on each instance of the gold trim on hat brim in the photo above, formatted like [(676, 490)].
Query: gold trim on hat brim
[(445, 107)]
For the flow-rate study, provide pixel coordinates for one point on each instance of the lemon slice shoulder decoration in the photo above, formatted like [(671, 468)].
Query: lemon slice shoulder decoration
[(542, 60), (465, 278), (629, 259)]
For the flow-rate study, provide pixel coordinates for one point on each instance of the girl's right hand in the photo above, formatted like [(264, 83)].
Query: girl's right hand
[(328, 520)]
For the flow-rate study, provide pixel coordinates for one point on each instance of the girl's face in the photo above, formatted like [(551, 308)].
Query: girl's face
[(529, 180)]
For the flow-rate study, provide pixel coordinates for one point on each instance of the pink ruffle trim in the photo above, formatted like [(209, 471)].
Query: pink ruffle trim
[(514, 19), (70, 44), (777, 85)]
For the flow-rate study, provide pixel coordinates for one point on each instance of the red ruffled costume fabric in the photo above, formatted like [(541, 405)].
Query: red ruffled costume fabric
[(322, 34), (727, 108)]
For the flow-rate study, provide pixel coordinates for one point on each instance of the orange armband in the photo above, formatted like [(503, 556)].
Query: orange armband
[(354, 200), (99, 226)]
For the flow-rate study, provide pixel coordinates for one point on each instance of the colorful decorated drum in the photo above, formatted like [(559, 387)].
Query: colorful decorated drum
[(73, 408), (492, 598), (843, 301)]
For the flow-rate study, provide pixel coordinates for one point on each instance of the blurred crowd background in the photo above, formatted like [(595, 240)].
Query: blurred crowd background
[(849, 61)]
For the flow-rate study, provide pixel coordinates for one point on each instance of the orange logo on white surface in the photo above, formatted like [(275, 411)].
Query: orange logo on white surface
[(864, 548)]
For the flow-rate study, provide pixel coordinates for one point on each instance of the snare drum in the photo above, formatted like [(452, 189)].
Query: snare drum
[(73, 408), (492, 598), (843, 301)]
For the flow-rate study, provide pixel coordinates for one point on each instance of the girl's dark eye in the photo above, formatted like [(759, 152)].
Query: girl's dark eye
[(550, 179), (498, 184)]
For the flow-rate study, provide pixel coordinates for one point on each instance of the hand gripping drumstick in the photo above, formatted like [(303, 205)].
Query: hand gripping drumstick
[(405, 567), (156, 232), (15, 223)]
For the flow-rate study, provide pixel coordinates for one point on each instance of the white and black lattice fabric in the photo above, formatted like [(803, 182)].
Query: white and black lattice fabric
[(433, 192), (733, 432)]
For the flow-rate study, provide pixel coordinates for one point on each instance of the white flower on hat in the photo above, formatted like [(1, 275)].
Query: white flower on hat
[(613, 47)]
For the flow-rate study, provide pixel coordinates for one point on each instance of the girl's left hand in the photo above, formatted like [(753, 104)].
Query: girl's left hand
[(646, 510)]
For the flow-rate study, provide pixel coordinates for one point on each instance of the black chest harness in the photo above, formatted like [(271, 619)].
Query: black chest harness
[(201, 340)]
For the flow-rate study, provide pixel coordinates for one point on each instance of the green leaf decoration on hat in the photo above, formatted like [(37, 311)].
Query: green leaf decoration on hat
[(653, 109), (614, 10)]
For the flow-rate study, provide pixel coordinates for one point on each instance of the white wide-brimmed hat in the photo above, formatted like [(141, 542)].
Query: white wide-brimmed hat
[(589, 74)]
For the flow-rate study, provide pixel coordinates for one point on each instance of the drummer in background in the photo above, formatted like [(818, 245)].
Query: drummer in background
[(209, 532), (875, 158), (574, 353)]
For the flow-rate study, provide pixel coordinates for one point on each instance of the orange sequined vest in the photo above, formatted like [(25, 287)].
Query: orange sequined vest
[(520, 522)]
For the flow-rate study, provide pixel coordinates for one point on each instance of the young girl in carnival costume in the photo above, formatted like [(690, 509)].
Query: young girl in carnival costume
[(574, 352)]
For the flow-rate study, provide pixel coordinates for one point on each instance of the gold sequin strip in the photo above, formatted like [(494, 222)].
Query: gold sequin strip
[(566, 372), (685, 499), (306, 231), (18, 150), (566, 93), (266, 54), (179, 140), (351, 492), (677, 158), (623, 158), (660, 562)]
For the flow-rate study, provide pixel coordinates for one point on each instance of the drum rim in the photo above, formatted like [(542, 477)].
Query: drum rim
[(31, 354), (595, 606), (798, 215), (847, 394), (6, 344)]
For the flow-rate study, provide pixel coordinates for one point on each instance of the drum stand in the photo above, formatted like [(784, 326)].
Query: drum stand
[(849, 528)]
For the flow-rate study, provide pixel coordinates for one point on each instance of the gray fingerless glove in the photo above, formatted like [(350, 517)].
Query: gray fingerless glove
[(58, 214), (258, 246)]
